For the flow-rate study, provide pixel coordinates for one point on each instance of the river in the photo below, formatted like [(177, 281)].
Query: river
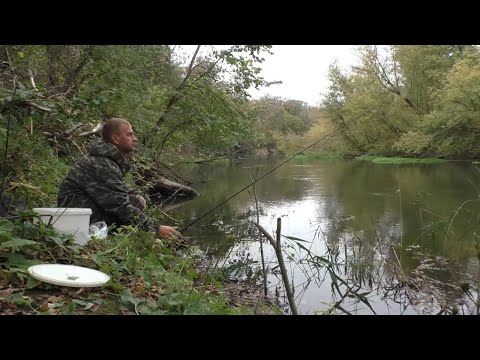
[(363, 238)]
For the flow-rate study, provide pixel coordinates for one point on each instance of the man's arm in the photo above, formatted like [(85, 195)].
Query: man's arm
[(107, 188), (109, 191)]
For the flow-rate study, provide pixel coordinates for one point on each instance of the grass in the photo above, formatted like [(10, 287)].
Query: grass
[(148, 275)]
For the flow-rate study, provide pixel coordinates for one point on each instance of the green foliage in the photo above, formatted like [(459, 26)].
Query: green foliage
[(219, 124), (132, 81), (51, 96), (148, 276), (424, 68), (342, 285), (408, 100), (370, 111), (454, 125), (26, 234), (276, 115), (413, 143), (61, 91), (242, 60)]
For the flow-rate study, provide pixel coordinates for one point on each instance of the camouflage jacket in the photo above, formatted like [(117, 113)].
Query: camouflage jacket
[(96, 182)]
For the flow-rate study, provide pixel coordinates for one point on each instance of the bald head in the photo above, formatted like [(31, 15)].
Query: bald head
[(119, 132)]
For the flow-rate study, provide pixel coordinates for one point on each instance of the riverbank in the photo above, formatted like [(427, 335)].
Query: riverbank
[(399, 160), (148, 276)]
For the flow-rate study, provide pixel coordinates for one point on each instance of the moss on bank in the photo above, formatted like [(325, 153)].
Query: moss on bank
[(399, 160), (313, 157)]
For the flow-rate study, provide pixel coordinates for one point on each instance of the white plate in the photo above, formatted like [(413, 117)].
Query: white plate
[(68, 275)]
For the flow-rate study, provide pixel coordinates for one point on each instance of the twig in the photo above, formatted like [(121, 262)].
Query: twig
[(454, 216), (76, 145), (283, 269), (32, 80), (73, 128), (171, 196), (171, 218), (87, 133), (36, 106), (14, 185), (260, 238), (53, 257), (95, 130), (268, 236), (173, 174)]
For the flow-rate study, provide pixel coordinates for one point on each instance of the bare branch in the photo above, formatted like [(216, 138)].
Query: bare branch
[(32, 80), (170, 132), (96, 130), (278, 251), (36, 106), (177, 95), (267, 235), (259, 238), (73, 128)]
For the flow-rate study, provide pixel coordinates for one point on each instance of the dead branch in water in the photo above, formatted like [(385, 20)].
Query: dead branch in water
[(278, 251), (260, 238)]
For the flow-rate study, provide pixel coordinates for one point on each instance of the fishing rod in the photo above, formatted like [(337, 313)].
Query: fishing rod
[(261, 177)]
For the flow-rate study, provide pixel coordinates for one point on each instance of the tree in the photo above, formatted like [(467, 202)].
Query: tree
[(239, 60), (423, 69), (455, 124)]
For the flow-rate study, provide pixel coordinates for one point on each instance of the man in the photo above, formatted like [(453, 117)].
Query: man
[(96, 182)]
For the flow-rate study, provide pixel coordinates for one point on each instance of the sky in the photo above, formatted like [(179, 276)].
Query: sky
[(303, 70)]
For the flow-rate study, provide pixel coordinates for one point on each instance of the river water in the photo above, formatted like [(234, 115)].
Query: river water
[(357, 237)]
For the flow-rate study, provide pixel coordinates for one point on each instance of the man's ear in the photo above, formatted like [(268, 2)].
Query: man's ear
[(115, 139)]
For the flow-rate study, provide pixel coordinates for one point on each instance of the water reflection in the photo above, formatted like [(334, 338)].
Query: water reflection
[(383, 224)]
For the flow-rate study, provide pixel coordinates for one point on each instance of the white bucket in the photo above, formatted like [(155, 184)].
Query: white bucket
[(74, 221)]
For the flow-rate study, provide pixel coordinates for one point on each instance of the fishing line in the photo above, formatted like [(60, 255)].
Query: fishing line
[(261, 177)]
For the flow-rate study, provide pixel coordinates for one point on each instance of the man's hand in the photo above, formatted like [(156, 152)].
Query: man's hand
[(165, 232), (143, 203)]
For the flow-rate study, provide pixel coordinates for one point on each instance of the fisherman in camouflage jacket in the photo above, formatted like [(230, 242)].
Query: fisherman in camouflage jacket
[(96, 182)]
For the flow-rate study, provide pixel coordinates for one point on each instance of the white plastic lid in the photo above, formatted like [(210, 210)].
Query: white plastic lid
[(68, 275)]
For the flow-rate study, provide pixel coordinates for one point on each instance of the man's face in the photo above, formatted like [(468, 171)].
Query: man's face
[(124, 139)]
